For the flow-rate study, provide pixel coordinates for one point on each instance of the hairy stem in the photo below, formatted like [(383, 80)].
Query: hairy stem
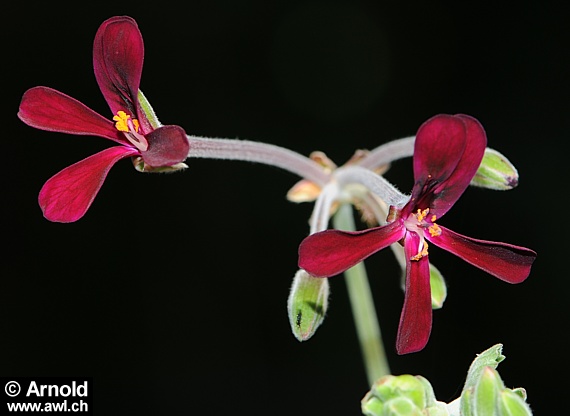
[(250, 151)]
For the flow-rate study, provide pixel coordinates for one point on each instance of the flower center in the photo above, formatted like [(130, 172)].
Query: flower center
[(417, 223), (130, 127)]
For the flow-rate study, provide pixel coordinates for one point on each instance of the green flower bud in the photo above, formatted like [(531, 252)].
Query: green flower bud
[(307, 304), (438, 287), (495, 172), (405, 385), (521, 392), (465, 402), (512, 404), (485, 393), (402, 395), (372, 406), (433, 407), (401, 406)]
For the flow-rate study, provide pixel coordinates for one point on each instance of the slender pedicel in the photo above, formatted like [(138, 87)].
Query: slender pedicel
[(388, 152), (250, 151), (374, 182), (322, 210)]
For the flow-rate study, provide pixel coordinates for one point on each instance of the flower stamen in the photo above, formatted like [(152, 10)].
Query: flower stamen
[(419, 223), (130, 127), (423, 251), (434, 230)]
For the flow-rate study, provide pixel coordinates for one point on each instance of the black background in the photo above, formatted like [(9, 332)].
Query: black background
[(171, 292)]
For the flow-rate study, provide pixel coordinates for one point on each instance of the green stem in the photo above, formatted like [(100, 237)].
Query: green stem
[(363, 310)]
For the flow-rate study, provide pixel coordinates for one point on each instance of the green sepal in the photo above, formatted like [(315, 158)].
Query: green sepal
[(148, 111), (485, 394), (495, 172), (488, 358), (438, 287), (141, 166), (307, 304)]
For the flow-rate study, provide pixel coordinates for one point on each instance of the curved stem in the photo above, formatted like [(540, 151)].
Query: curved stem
[(388, 152), (250, 151), (375, 183), (364, 312), (321, 212)]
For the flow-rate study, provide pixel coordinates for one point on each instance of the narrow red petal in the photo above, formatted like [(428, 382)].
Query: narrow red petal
[(67, 196), (332, 252), (168, 145), (507, 262), (416, 318), (118, 53), (47, 109)]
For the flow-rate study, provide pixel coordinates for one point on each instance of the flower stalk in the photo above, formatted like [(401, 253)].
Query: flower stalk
[(258, 152), (363, 309)]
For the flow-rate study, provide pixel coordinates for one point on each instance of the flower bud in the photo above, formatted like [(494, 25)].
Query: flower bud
[(495, 172), (511, 403), (401, 406), (307, 304), (402, 395), (438, 287), (485, 393)]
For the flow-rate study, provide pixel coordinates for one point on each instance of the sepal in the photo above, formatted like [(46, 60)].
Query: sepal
[(307, 304), (140, 166), (438, 287), (148, 111), (485, 394), (495, 172)]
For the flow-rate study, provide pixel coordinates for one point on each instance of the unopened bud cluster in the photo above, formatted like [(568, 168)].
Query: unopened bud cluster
[(402, 395)]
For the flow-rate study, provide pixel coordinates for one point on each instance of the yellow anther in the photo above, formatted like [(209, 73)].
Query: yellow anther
[(433, 218), (422, 214), (434, 230), (421, 254), (122, 122)]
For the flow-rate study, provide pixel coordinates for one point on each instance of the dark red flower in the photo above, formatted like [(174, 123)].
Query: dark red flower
[(448, 151), (118, 53)]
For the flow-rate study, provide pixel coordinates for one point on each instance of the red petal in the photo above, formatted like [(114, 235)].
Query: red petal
[(416, 317), (448, 152), (118, 53), (332, 252), (47, 109), (66, 196), (504, 261), (439, 145), (168, 145)]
